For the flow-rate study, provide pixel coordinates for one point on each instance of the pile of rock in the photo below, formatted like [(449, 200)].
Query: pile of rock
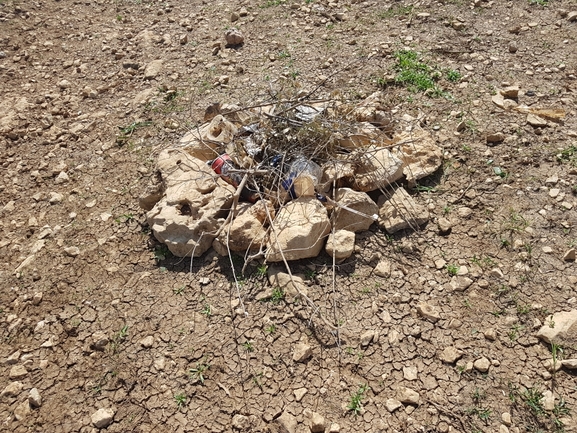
[(191, 208)]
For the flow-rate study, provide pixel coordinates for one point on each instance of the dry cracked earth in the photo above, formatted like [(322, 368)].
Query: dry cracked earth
[(434, 330)]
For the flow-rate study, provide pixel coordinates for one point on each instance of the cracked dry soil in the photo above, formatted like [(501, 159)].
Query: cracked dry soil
[(95, 315)]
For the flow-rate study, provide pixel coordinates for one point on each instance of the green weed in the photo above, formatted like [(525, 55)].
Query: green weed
[(395, 11), (356, 403), (197, 373), (180, 400), (452, 269)]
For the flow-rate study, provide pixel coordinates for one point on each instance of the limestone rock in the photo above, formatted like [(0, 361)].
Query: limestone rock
[(445, 226), (359, 201), (450, 354), (18, 372), (290, 286), (12, 389), (194, 205), (536, 121), (102, 417), (317, 423), (241, 422), (22, 410), (511, 92), (375, 168), (482, 364), (495, 137), (208, 141), (548, 400), (392, 404), (383, 269), (298, 231), (407, 395), (401, 212), (300, 393), (147, 342), (233, 37), (341, 244), (367, 337), (560, 328), (247, 229), (420, 155), (569, 256), (302, 352), (286, 423), (428, 311), (570, 364), (153, 69), (34, 398), (460, 284)]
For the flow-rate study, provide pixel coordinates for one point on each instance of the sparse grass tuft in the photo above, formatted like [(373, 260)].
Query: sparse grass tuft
[(356, 403), (452, 269)]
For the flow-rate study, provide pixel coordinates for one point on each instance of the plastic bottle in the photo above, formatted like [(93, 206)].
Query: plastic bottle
[(303, 177)]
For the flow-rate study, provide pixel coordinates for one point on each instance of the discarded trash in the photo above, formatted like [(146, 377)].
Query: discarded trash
[(224, 166), (551, 113)]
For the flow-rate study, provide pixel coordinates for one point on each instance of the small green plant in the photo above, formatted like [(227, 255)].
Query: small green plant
[(180, 400), (523, 309), (395, 11), (452, 269), (356, 403), (271, 3), (271, 329), (179, 290), (248, 346), (284, 54), (197, 373), (412, 73), (569, 154), (124, 218), (127, 131), (483, 413), (207, 310), (453, 75), (161, 252), (556, 353), (278, 295), (310, 274), (261, 271), (532, 398)]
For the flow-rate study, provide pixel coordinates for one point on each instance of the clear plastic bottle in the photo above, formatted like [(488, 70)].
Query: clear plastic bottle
[(303, 177)]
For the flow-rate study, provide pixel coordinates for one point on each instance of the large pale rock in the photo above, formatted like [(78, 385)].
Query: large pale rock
[(450, 354), (9, 115), (153, 69), (560, 328), (401, 212), (375, 168), (407, 395), (22, 410), (194, 205), (341, 244), (102, 417), (317, 422), (286, 423), (207, 141), (12, 389), (362, 135), (290, 286), (371, 110), (359, 201), (298, 231), (247, 230), (302, 352), (420, 155)]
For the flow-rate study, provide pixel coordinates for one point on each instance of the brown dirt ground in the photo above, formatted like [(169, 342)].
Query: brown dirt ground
[(121, 287)]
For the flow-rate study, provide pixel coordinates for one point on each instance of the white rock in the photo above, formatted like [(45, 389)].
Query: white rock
[(247, 231), (317, 423), (359, 201), (72, 251), (569, 256), (560, 328), (298, 231), (450, 354), (61, 178), (506, 418), (302, 352), (300, 393), (13, 358), (482, 364), (401, 212), (410, 373), (377, 168), (286, 423), (341, 244), (12, 389), (570, 364), (367, 337), (548, 400), (290, 286), (420, 154), (147, 342), (18, 372), (241, 422), (428, 311), (102, 417), (392, 404), (55, 197), (191, 210), (407, 395), (383, 269), (34, 398), (153, 69), (22, 410)]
